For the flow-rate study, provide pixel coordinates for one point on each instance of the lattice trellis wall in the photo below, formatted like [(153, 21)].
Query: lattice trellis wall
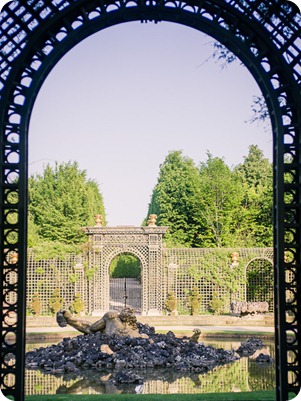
[(213, 273), (259, 281), (179, 271), (45, 277)]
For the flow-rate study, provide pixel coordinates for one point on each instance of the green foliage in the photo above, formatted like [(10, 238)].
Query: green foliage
[(53, 249), (125, 265), (36, 305), (260, 283), (182, 309), (38, 388), (89, 273), (217, 304), (214, 205), (220, 204), (41, 283), (216, 264), (175, 200), (33, 232), (73, 277), (194, 300), (256, 174), (61, 201), (77, 305), (55, 301)]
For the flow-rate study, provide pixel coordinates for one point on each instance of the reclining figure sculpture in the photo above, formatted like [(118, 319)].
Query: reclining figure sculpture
[(122, 323)]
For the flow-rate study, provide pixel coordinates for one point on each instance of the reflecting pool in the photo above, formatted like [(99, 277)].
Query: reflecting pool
[(242, 375)]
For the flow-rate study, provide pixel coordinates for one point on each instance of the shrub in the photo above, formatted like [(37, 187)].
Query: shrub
[(36, 305), (171, 303), (216, 304), (56, 301), (77, 305), (194, 300)]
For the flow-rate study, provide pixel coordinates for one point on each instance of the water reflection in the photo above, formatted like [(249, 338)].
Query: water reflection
[(242, 375)]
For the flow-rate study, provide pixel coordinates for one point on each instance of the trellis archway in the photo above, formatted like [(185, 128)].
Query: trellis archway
[(145, 243), (259, 278), (264, 34), (126, 282)]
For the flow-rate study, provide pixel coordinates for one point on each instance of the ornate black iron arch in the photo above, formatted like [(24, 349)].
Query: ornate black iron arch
[(264, 34)]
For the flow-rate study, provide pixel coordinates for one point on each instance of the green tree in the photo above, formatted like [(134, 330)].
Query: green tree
[(33, 232), (215, 205), (220, 203), (256, 174), (61, 201), (175, 199), (256, 170)]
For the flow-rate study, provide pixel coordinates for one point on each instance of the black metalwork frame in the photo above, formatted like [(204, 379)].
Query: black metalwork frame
[(264, 34)]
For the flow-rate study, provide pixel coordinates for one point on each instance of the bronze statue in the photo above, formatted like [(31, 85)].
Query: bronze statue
[(122, 323)]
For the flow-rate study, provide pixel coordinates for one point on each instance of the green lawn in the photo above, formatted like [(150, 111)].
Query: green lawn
[(250, 396)]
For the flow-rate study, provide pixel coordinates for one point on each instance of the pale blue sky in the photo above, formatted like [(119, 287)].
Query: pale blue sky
[(124, 97)]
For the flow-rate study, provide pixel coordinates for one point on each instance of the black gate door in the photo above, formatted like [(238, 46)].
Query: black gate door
[(125, 292)]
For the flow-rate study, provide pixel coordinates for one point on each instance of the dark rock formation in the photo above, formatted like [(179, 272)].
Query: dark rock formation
[(249, 347), (238, 308), (129, 353), (264, 359), (125, 359)]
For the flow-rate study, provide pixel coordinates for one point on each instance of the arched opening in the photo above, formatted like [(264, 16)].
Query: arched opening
[(259, 278), (167, 97), (125, 283), (266, 38)]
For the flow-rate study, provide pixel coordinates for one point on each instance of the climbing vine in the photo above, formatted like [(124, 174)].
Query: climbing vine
[(218, 268)]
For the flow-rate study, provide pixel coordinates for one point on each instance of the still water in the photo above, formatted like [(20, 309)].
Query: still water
[(243, 375)]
